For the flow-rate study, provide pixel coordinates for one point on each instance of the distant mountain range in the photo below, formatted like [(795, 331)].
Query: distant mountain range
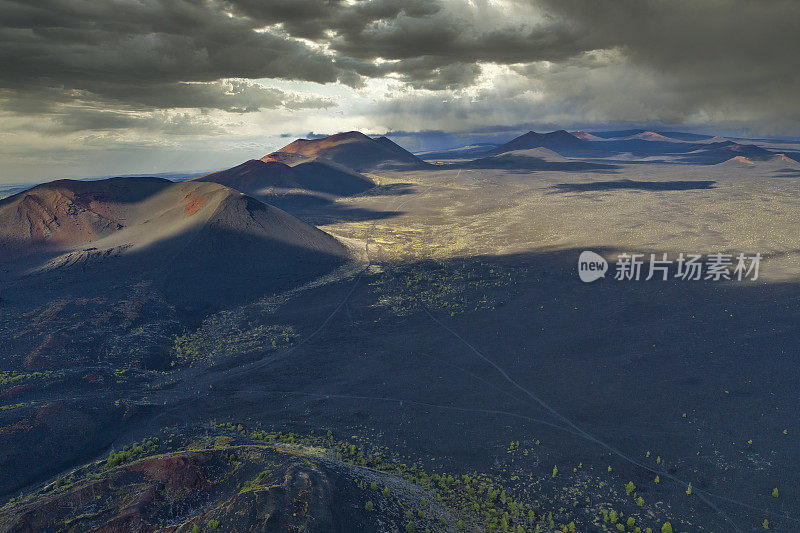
[(319, 168), (683, 147), (181, 233)]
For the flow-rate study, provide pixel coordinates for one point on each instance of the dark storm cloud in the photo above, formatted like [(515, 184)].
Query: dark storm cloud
[(413, 30), (81, 43), (235, 96), (143, 53), (104, 46), (452, 40), (172, 124), (134, 51), (311, 19), (429, 73), (716, 50), (684, 34), (718, 61), (734, 58)]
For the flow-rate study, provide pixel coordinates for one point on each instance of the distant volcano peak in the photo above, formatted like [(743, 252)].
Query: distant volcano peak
[(355, 150), (559, 141)]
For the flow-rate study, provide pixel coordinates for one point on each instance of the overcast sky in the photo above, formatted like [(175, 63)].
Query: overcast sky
[(94, 87)]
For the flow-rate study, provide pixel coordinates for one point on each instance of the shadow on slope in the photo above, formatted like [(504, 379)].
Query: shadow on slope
[(685, 369), (269, 180), (318, 210), (118, 189), (203, 245), (506, 162), (223, 265), (67, 213), (645, 353), (787, 173), (674, 185)]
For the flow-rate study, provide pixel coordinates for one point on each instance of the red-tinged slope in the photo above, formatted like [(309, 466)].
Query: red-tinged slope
[(205, 244), (66, 213), (355, 150), (651, 136), (586, 136)]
